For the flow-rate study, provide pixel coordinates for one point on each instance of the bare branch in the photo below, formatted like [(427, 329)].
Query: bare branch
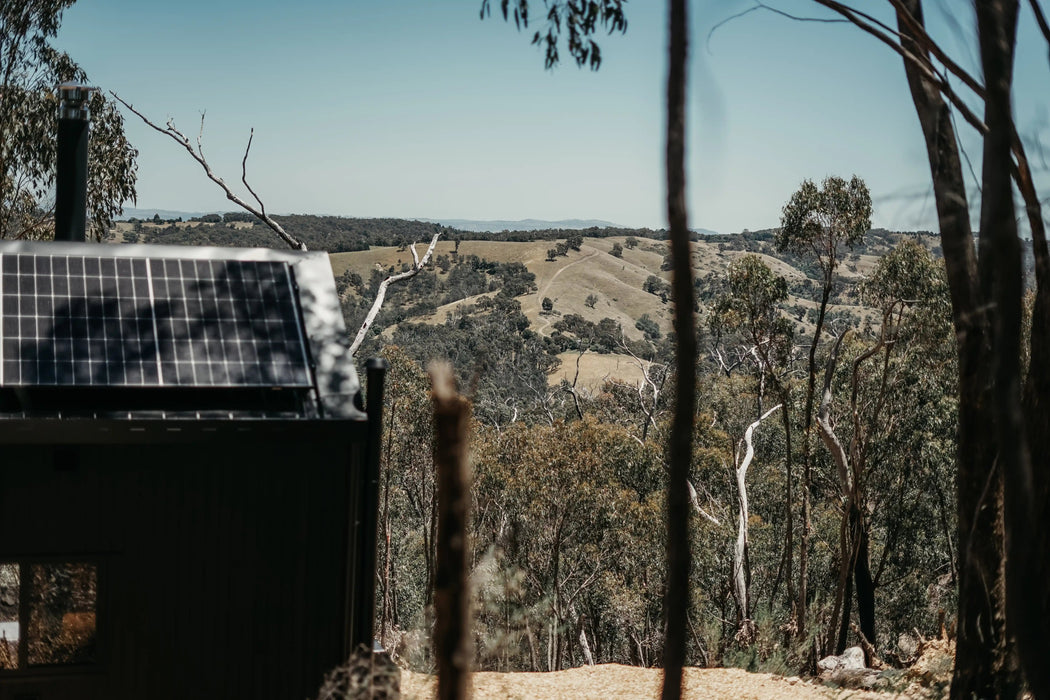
[(1040, 19), (572, 389), (198, 155), (695, 500), (868, 24), (420, 263), (774, 10), (649, 381), (919, 35), (244, 171)]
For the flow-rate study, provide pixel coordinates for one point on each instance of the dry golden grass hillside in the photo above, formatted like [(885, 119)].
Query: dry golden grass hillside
[(568, 280)]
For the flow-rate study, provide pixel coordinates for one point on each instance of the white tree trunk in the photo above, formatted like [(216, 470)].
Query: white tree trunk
[(419, 264), (581, 637), (826, 423), (740, 587)]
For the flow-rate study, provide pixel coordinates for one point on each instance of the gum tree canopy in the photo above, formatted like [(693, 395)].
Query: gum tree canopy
[(578, 19), (30, 69)]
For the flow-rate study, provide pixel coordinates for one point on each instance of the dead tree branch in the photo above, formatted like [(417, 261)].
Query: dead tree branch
[(655, 384), (572, 389), (1040, 19), (198, 155), (695, 500), (418, 264), (259, 211)]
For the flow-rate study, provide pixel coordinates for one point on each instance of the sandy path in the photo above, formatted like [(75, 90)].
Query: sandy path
[(614, 681)]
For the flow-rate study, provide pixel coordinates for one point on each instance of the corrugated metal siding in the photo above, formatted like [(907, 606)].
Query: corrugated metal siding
[(223, 567)]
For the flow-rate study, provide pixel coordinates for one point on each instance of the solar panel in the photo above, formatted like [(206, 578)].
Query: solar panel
[(70, 320)]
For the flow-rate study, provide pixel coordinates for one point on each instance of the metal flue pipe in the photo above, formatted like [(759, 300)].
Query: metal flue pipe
[(74, 117)]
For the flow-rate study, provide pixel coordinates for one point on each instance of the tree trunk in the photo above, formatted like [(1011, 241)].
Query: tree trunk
[(787, 564), (843, 621), (676, 601), (452, 640), (581, 637), (807, 476), (1036, 398), (741, 564), (864, 584), (981, 641), (1001, 275), (384, 617), (789, 519)]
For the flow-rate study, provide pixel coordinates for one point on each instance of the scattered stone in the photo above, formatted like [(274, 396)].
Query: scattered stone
[(908, 645), (851, 660), (853, 678)]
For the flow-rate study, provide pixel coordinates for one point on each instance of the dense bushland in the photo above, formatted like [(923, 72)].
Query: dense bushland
[(568, 524)]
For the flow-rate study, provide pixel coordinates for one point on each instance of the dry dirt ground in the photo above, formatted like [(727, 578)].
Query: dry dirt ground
[(926, 679), (613, 681)]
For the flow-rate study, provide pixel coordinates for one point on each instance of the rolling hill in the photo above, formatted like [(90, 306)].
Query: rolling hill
[(615, 284)]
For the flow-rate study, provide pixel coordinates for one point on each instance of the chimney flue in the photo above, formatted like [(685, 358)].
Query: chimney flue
[(74, 115)]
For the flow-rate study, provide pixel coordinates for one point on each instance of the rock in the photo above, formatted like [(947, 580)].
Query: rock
[(853, 678), (851, 660), (908, 645)]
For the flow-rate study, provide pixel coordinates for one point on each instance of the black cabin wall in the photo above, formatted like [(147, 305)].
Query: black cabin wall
[(222, 566)]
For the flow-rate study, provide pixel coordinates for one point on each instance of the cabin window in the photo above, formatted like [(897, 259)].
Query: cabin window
[(10, 629), (48, 613)]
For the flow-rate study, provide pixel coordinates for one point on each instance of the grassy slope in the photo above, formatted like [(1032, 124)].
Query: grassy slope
[(568, 280)]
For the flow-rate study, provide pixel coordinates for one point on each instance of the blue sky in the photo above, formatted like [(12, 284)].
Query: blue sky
[(417, 108)]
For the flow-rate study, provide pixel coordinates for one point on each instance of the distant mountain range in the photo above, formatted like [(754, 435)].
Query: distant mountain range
[(473, 225), (135, 213), (498, 225)]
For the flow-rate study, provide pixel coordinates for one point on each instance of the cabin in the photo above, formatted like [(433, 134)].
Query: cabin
[(187, 481)]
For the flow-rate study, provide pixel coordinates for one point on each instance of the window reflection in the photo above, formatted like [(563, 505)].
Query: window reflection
[(62, 604), (9, 629)]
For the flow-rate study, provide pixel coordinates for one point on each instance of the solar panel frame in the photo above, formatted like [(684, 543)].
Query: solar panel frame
[(96, 320)]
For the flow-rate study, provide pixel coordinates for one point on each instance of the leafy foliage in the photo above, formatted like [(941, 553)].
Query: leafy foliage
[(578, 19), (819, 221), (31, 68), (648, 327), (751, 308), (568, 512), (491, 348)]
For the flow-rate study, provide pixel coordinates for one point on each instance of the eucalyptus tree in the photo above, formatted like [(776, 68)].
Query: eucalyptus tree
[(571, 514), (819, 223), (30, 69), (750, 312), (909, 290), (742, 458), (408, 504), (1004, 417)]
